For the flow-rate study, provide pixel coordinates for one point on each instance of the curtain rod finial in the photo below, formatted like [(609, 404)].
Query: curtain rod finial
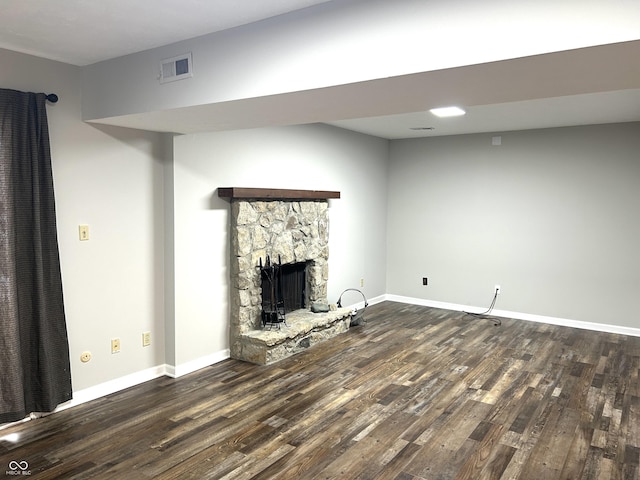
[(52, 97)]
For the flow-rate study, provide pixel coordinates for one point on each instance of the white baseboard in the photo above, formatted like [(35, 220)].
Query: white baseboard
[(563, 322), (378, 299), (370, 301), (197, 364), (112, 386), (118, 384)]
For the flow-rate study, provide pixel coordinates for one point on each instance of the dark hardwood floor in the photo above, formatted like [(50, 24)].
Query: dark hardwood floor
[(415, 393)]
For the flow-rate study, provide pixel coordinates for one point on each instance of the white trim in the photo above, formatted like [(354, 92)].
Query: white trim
[(563, 322), (197, 364), (122, 383), (370, 301), (112, 386), (426, 303), (378, 299)]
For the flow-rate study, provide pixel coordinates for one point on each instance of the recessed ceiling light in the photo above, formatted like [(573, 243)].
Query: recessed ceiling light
[(447, 111), (421, 128)]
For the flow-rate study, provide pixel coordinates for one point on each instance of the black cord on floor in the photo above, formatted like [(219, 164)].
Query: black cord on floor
[(486, 314)]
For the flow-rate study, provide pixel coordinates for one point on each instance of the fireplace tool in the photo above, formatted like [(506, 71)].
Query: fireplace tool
[(272, 298), (357, 316)]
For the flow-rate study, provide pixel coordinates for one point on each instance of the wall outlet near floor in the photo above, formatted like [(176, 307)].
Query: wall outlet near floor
[(362, 282), (146, 339), (115, 345), (85, 357), (496, 289)]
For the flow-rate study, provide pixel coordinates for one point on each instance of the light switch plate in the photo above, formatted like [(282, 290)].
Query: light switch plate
[(83, 232)]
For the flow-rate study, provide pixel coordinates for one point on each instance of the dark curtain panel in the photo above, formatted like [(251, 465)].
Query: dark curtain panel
[(35, 373)]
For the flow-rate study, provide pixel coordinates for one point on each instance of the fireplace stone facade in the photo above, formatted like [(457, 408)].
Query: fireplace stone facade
[(289, 231)]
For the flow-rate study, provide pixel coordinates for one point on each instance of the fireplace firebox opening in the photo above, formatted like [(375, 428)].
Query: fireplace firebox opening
[(283, 290)]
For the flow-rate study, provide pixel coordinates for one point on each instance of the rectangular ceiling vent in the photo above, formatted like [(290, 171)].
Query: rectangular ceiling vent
[(176, 68)]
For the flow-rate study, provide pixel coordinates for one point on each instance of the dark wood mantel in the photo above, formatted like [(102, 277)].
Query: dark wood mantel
[(275, 194)]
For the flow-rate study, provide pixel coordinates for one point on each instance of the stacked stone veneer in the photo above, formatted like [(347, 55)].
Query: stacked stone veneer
[(295, 231)]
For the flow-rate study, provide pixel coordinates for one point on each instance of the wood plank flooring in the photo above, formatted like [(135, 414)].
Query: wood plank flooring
[(415, 393)]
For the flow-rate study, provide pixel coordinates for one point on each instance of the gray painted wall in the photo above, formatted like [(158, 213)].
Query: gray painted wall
[(550, 215), (111, 179)]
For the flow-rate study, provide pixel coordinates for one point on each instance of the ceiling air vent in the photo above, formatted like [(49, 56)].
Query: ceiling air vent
[(176, 68)]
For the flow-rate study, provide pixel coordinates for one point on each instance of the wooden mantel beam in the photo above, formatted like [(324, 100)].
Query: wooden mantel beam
[(275, 194)]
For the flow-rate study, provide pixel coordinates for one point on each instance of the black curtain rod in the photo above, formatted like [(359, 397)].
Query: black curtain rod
[(52, 97)]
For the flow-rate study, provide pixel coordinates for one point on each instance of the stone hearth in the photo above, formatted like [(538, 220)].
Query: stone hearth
[(303, 329), (292, 226)]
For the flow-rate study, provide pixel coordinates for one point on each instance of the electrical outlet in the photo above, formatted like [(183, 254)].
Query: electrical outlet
[(115, 345), (496, 289), (85, 357), (362, 282), (146, 339), (425, 281)]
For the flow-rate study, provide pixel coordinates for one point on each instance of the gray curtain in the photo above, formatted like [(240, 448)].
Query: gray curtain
[(35, 374)]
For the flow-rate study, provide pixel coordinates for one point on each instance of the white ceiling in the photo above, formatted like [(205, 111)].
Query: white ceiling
[(82, 32), (589, 109)]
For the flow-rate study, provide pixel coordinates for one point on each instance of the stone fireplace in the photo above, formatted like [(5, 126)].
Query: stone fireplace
[(290, 227)]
